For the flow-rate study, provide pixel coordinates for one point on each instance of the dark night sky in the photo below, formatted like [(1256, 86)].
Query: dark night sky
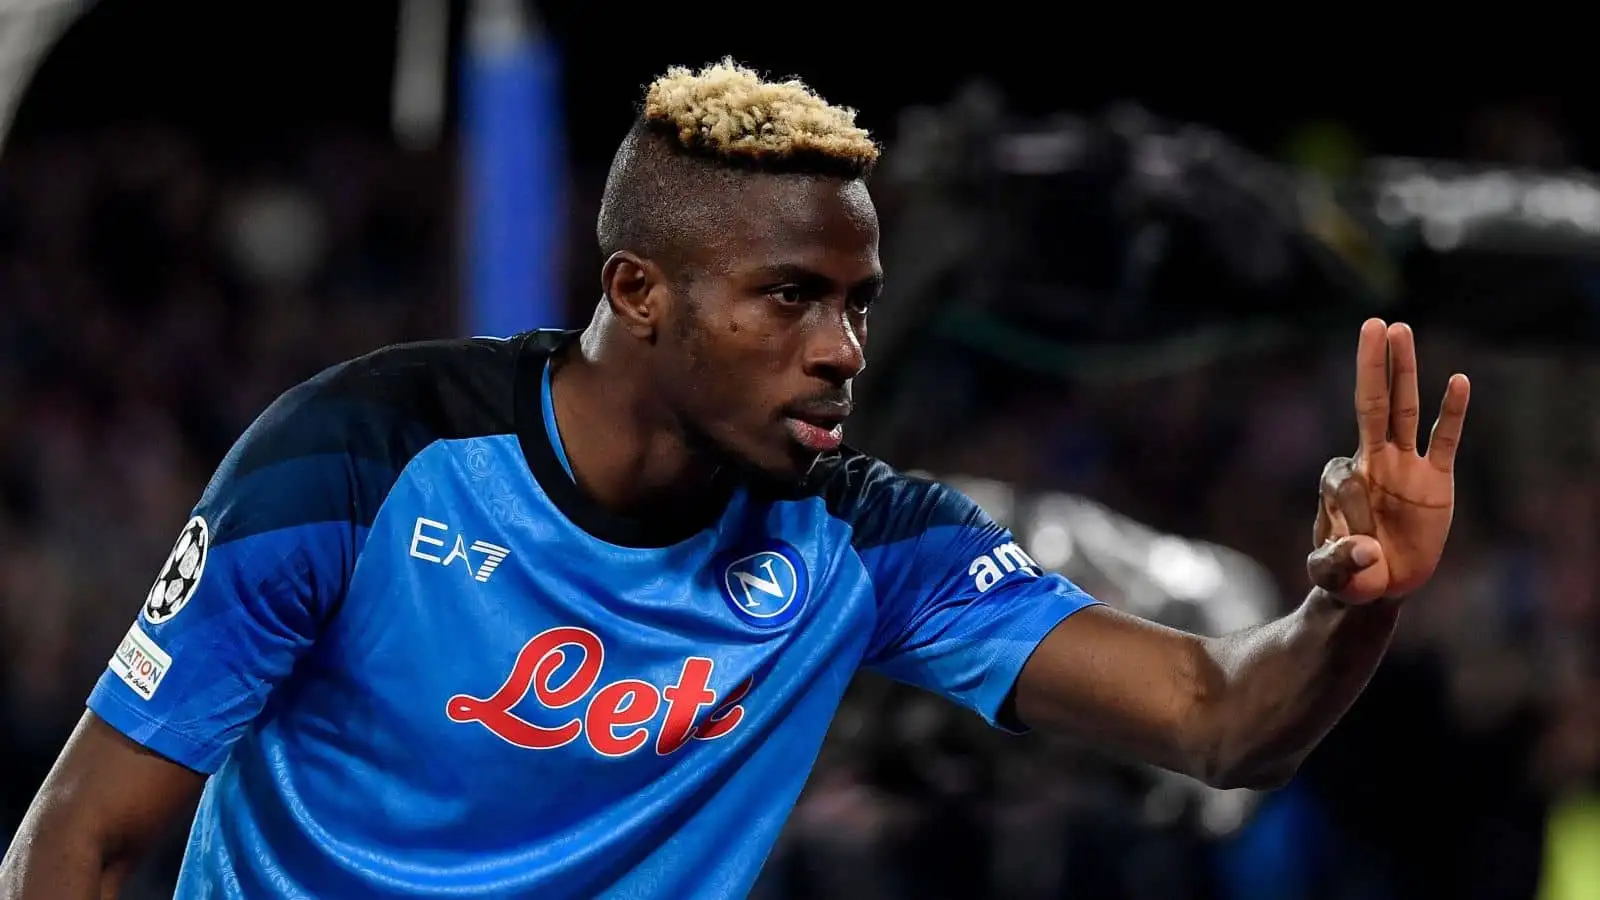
[(245, 67)]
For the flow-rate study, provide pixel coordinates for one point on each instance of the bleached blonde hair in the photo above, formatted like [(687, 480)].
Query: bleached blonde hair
[(697, 134), (730, 113)]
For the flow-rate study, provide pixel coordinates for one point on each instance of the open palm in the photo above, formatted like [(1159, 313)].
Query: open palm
[(1411, 496)]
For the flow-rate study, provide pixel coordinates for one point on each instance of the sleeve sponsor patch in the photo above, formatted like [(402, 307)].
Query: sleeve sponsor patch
[(180, 574), (140, 662)]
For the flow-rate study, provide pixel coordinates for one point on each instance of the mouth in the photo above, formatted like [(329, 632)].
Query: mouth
[(818, 428)]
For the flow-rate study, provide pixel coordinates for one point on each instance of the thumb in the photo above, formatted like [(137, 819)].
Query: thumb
[(1350, 565)]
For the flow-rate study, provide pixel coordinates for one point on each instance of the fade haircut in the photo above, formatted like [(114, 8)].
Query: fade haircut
[(697, 134)]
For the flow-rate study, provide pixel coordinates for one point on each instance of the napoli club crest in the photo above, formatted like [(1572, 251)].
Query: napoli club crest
[(180, 575), (766, 588)]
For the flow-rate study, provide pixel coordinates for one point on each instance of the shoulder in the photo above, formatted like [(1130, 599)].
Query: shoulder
[(391, 402), (883, 505), (333, 445)]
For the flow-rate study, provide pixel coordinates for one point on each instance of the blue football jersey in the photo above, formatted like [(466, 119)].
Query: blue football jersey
[(417, 661)]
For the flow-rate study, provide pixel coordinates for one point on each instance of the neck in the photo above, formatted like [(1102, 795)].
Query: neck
[(625, 453)]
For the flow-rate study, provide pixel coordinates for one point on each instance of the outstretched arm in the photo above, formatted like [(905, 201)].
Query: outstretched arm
[(1237, 711), (1244, 710)]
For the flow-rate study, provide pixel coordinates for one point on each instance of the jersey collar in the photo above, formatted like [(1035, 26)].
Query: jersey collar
[(538, 348)]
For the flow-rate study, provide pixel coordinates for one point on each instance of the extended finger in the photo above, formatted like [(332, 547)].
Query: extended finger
[(1331, 567), (1372, 384), (1405, 407), (1446, 435)]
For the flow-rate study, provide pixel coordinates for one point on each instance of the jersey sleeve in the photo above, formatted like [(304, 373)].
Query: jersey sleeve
[(256, 571), (961, 606)]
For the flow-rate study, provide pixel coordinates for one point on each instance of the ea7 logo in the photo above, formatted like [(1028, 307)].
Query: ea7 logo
[(989, 568), (489, 556)]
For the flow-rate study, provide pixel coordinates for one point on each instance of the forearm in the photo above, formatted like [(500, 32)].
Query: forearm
[(44, 862), (1271, 693), (94, 817)]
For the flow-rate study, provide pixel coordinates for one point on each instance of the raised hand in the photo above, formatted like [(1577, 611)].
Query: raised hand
[(1409, 497)]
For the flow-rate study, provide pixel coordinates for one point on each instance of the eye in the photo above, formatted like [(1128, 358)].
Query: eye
[(788, 294), (864, 295)]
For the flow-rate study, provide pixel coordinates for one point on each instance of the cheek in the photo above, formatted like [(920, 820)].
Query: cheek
[(757, 338)]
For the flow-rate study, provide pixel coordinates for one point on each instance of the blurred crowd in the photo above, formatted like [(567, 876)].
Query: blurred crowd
[(157, 294)]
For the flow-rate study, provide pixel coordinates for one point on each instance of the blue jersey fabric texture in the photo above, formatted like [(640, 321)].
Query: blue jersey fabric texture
[(417, 662)]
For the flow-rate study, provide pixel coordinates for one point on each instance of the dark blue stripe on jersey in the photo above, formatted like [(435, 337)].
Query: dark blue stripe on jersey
[(331, 424), (330, 449), (324, 487), (310, 458), (886, 507)]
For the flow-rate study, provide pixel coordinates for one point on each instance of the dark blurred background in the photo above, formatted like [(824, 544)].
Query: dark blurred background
[(1127, 276)]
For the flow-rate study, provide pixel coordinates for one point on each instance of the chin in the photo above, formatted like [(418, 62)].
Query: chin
[(783, 467), (791, 470)]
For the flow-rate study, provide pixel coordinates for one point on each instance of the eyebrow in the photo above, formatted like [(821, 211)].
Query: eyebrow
[(803, 275)]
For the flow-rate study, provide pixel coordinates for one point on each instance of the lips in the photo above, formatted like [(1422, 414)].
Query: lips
[(815, 437), (820, 427)]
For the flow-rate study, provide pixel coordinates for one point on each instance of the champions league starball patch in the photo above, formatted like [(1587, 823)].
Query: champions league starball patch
[(181, 573)]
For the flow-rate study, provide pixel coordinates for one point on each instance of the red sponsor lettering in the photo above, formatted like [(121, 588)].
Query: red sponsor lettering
[(619, 705), (684, 702), (616, 721), (728, 715)]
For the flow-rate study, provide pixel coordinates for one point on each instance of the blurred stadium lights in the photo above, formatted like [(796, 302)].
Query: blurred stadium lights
[(1454, 207), (420, 75), (1199, 586), (28, 29)]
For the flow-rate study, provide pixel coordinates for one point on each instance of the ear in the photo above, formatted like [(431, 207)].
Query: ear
[(635, 290)]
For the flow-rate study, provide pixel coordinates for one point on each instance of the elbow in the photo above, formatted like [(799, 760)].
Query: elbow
[(1266, 777), (1229, 757), (1228, 747), (1249, 767)]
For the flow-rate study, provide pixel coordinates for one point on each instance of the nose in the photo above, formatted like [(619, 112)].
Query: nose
[(835, 351)]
